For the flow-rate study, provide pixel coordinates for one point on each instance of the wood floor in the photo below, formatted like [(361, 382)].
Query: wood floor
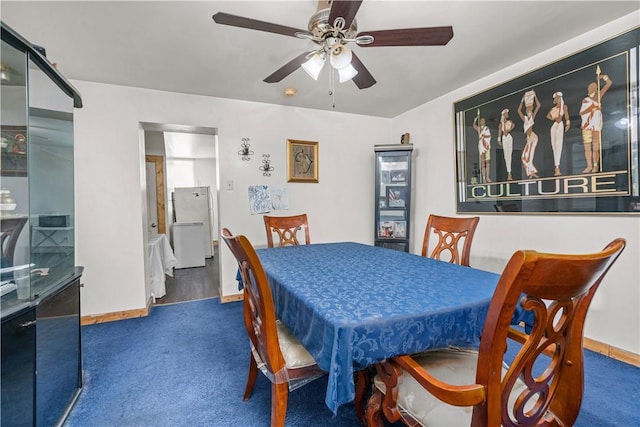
[(188, 284)]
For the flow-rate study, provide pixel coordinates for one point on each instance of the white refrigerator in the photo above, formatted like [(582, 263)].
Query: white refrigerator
[(193, 204)]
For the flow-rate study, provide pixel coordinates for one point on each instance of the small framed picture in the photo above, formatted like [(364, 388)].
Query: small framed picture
[(385, 229), (400, 229), (396, 197), (393, 229), (398, 176), (302, 161)]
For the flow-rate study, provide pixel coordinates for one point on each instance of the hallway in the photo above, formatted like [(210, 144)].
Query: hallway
[(188, 284)]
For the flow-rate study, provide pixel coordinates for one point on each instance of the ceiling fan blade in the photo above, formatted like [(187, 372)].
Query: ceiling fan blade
[(253, 24), (344, 8), (287, 68), (432, 36), (363, 79)]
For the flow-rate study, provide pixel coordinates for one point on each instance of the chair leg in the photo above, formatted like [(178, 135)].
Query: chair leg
[(363, 391), (279, 397), (374, 410), (251, 378)]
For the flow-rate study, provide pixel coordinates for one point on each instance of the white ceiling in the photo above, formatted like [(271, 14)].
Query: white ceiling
[(176, 46)]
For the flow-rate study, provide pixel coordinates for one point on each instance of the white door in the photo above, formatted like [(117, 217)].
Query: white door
[(152, 202)]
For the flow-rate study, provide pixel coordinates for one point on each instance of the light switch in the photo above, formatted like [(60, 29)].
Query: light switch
[(230, 185)]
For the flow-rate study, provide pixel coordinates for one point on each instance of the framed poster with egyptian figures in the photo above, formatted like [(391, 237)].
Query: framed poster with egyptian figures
[(563, 138), (302, 161)]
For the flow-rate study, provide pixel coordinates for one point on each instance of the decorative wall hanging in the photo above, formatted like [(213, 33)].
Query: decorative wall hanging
[(562, 138), (279, 197), (259, 201), (302, 161), (245, 152), (266, 167)]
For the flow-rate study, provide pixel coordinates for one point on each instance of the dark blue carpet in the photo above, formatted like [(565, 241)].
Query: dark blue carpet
[(186, 365)]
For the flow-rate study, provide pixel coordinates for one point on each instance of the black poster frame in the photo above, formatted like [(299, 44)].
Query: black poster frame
[(544, 176)]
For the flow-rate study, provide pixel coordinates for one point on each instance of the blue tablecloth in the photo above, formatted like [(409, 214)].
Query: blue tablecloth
[(353, 305)]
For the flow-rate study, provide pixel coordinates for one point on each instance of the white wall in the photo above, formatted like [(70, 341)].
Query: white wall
[(110, 199), (614, 316)]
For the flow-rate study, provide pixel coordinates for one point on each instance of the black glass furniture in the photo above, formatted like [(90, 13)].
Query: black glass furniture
[(40, 300)]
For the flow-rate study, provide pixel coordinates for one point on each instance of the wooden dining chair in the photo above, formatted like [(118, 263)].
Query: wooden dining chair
[(287, 229), (543, 385), (455, 236), (274, 350)]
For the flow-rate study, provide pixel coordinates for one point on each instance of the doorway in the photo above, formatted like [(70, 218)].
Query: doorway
[(182, 156)]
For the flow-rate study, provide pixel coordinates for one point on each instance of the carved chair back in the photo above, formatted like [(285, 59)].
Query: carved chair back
[(558, 289), (286, 228), (455, 236)]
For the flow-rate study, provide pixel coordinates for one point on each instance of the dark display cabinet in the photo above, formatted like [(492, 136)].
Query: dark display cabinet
[(40, 299), (393, 196)]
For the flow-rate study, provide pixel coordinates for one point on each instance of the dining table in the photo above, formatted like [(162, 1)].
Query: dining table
[(352, 305)]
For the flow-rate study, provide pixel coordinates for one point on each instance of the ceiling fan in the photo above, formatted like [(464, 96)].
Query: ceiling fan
[(332, 28)]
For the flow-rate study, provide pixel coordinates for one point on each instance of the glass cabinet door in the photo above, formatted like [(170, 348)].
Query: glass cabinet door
[(393, 196), (50, 158), (14, 182), (36, 188)]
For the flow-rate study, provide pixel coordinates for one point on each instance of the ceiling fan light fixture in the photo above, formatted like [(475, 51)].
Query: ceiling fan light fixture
[(347, 73), (341, 56), (314, 65)]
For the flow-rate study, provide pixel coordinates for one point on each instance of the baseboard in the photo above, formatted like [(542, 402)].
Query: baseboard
[(231, 298), (118, 315), (612, 352)]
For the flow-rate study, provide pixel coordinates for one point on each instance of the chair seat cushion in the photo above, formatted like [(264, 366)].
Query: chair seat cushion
[(294, 353), (453, 366)]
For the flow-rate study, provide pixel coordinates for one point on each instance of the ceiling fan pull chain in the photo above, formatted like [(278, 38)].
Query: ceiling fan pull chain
[(332, 91)]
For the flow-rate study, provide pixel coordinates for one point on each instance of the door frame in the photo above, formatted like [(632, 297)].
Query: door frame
[(164, 127), (160, 199)]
